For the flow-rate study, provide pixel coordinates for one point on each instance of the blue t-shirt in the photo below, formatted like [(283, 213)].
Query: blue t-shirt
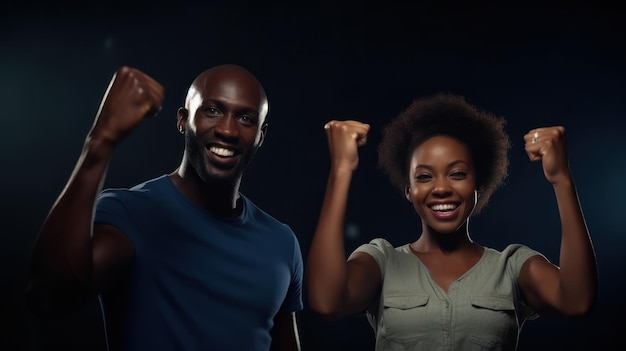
[(200, 282)]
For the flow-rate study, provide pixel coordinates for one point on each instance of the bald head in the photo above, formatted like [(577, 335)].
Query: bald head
[(232, 82)]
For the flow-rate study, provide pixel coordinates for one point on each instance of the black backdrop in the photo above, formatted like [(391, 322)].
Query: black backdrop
[(536, 65)]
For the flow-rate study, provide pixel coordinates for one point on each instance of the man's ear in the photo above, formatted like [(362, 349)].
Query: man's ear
[(263, 134), (181, 119), (407, 193)]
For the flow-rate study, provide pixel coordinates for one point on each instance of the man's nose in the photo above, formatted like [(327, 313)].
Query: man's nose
[(227, 126)]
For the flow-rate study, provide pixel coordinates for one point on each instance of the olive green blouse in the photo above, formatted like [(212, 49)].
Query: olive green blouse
[(482, 310)]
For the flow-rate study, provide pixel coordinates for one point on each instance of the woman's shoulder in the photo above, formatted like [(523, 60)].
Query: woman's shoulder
[(384, 245), (512, 254), (512, 250)]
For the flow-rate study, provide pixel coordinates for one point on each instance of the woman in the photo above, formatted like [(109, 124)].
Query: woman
[(443, 290)]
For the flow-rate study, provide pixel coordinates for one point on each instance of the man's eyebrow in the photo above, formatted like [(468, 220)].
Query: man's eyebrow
[(238, 109), (248, 110)]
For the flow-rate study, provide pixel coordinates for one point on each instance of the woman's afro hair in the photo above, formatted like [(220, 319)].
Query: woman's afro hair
[(447, 114)]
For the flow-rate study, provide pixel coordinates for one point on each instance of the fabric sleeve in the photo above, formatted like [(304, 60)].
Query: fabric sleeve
[(293, 300), (377, 248), (518, 254), (110, 209)]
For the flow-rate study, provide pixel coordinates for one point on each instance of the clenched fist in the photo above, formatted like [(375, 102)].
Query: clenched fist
[(131, 96), (548, 146), (344, 137)]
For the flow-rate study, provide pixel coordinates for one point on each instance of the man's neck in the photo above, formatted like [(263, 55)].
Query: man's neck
[(218, 197)]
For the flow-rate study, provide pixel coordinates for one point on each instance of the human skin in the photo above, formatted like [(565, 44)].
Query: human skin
[(75, 260), (338, 288), (442, 185)]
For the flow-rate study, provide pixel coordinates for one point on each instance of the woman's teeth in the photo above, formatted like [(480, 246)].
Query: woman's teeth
[(443, 207)]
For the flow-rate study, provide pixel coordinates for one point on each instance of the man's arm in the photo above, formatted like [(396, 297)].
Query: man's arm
[(68, 253)]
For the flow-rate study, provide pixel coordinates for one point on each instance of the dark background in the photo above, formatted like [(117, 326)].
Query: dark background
[(536, 65)]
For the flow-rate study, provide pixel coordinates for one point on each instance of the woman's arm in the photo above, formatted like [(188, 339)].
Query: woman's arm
[(571, 287), (337, 288)]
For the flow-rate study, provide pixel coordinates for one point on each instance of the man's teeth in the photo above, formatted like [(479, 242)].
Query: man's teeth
[(443, 207), (221, 151)]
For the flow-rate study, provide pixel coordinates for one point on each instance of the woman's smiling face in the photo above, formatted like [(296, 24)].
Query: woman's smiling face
[(442, 184)]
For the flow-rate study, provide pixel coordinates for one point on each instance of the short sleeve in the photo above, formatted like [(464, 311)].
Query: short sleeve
[(377, 248), (293, 301), (517, 255), (110, 209)]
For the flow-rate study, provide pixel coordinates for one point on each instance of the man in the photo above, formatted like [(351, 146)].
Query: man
[(183, 261)]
